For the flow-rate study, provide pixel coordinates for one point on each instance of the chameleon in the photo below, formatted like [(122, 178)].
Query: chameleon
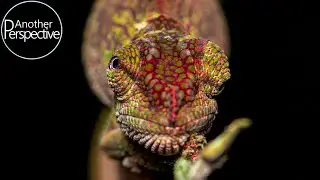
[(161, 79)]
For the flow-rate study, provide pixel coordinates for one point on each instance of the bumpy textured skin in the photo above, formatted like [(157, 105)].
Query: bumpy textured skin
[(165, 81), (113, 23), (163, 85)]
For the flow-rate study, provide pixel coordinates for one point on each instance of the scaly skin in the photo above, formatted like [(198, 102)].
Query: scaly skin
[(164, 81), (165, 84), (113, 23)]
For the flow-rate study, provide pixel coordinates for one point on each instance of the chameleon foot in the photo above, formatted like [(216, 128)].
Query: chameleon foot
[(115, 144)]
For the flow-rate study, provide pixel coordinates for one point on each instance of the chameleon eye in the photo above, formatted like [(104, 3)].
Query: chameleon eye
[(114, 62)]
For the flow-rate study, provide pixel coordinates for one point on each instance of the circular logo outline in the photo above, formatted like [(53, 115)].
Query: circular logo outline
[(22, 57)]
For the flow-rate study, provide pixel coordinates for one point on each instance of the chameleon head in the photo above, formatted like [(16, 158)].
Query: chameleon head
[(164, 84)]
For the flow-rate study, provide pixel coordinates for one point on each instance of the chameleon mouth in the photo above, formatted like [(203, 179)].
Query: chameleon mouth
[(187, 119), (150, 126), (159, 138)]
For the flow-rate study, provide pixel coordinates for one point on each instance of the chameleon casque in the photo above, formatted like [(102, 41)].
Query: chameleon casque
[(160, 78)]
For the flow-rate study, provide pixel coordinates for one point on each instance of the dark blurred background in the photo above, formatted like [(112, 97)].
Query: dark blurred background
[(49, 111)]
